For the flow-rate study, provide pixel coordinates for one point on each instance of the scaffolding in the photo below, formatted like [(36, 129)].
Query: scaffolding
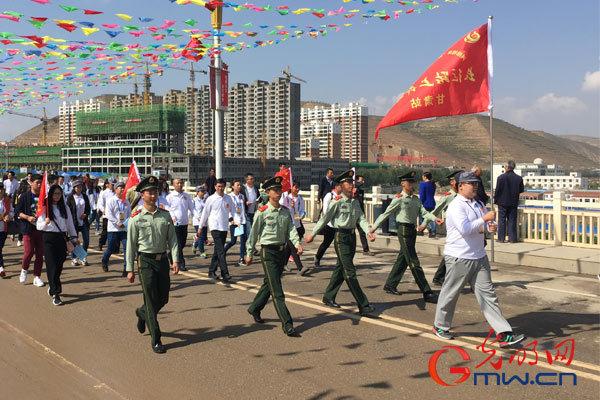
[(131, 120)]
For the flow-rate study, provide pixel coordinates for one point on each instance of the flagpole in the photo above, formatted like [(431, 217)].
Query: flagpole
[(491, 113)]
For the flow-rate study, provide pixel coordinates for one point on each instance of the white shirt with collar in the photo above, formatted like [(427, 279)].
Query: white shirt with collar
[(103, 198), (79, 206), (216, 213), (297, 209), (199, 204), (11, 186), (465, 229), (326, 201), (238, 212), (117, 212), (59, 224), (180, 205)]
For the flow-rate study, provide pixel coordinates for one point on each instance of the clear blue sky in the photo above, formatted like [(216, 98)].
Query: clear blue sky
[(542, 50)]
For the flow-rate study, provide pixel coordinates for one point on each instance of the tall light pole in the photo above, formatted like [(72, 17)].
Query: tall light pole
[(216, 18)]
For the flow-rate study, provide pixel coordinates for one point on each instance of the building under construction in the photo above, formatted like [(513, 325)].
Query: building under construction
[(110, 139)]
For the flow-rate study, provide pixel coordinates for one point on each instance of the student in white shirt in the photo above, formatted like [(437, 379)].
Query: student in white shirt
[(328, 231), (180, 205), (79, 205), (11, 184), (92, 191), (295, 203), (199, 239), (217, 215), (103, 197), (60, 237), (6, 215), (466, 261), (117, 212), (239, 219)]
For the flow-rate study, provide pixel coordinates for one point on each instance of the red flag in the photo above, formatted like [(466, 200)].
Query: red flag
[(286, 175), (133, 178), (43, 197), (458, 82), (91, 12), (193, 50)]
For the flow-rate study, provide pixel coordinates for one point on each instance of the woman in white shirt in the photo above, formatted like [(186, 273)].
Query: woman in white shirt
[(59, 235), (79, 205), (6, 215)]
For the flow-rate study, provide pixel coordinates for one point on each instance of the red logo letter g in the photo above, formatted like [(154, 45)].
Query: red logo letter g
[(465, 372)]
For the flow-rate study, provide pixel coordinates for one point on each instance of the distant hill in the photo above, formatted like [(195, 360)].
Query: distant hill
[(33, 136), (594, 141), (464, 140)]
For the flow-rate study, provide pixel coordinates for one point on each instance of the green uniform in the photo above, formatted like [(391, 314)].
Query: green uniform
[(271, 229), (405, 208), (149, 236), (344, 214)]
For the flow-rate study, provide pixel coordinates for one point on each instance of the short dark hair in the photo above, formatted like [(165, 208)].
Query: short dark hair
[(428, 175), (236, 180), (510, 165), (329, 169), (221, 181), (249, 174)]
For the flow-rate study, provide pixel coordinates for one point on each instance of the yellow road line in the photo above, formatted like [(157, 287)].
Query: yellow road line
[(422, 330)]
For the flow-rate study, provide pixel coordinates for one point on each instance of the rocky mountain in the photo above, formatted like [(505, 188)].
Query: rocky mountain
[(463, 141)]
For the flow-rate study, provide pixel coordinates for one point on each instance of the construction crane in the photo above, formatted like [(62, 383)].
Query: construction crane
[(43, 118), (286, 72), (135, 85)]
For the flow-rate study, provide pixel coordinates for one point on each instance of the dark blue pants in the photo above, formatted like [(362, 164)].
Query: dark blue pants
[(85, 236), (114, 240), (2, 240), (507, 223), (199, 243)]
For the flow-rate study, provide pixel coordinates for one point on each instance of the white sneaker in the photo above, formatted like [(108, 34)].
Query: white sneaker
[(74, 262), (2, 273), (19, 243), (84, 262), (37, 281), (23, 276)]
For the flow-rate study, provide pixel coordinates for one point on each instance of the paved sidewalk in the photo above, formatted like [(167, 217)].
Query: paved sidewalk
[(560, 258)]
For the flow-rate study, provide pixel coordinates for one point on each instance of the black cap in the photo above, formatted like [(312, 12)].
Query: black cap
[(149, 182), (272, 183), (453, 174), (347, 176), (410, 176)]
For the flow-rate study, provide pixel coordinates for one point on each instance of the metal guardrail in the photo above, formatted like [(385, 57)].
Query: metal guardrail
[(537, 220)]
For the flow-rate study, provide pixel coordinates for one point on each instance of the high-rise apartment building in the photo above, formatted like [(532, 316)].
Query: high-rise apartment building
[(353, 128), (263, 120), (67, 116)]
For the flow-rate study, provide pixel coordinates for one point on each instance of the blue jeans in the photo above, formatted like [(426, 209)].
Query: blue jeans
[(85, 237), (94, 217), (114, 240), (233, 241), (199, 243)]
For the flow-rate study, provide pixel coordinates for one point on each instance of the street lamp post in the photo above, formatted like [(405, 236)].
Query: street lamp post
[(216, 17)]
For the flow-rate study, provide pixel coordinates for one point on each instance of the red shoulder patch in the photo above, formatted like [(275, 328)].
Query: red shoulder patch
[(135, 213), (339, 196), (263, 208), (398, 195)]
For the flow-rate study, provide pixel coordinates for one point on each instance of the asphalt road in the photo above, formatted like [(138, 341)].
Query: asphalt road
[(90, 349)]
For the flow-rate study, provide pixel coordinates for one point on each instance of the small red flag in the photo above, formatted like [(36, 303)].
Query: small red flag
[(286, 176), (42, 204), (91, 12), (133, 178), (458, 82)]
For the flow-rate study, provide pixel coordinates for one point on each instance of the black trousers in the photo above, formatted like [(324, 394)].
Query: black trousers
[(218, 258), (55, 254), (104, 233), (181, 234), (363, 239), (290, 249), (440, 274), (328, 236), (507, 221)]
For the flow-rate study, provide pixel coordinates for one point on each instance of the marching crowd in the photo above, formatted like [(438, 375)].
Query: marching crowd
[(149, 224)]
